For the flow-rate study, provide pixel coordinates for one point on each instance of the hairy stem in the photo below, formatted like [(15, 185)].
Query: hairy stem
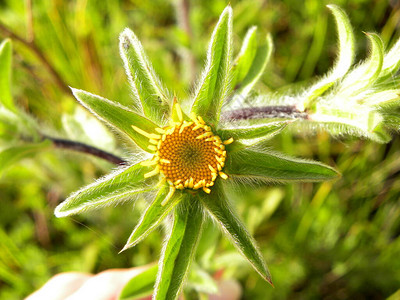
[(84, 148), (264, 112), (239, 114)]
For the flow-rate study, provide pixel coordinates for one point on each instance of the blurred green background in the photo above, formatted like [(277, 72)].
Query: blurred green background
[(334, 240)]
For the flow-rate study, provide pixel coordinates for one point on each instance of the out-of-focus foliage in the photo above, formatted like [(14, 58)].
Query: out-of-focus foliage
[(335, 240)]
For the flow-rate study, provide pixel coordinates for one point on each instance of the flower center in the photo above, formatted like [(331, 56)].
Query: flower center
[(188, 154), (191, 156)]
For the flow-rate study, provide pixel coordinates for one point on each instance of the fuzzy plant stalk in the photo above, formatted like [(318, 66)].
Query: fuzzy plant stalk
[(360, 100), (190, 155)]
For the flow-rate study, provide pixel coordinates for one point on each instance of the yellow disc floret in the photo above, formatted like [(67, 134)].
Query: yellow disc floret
[(187, 153)]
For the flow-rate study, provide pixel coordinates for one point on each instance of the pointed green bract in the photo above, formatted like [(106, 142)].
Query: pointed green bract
[(219, 208), (258, 65), (153, 216), (214, 83), (5, 75), (111, 189), (391, 62), (12, 155), (177, 113), (344, 60), (375, 61), (179, 250), (244, 60), (271, 166), (118, 116), (253, 131), (366, 74), (348, 118), (140, 285), (148, 90), (387, 98)]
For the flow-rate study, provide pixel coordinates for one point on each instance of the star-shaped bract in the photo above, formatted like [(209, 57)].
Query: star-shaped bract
[(192, 158)]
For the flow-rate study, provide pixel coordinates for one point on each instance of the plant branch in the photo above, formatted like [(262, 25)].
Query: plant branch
[(264, 112), (39, 54), (239, 114), (84, 148)]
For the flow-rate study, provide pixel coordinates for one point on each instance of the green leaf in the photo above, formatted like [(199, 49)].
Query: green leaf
[(391, 62), (141, 285), (245, 58), (388, 98), (179, 250), (12, 155), (177, 113), (148, 90), (10, 125), (153, 216), (118, 116), (375, 60), (345, 57), (270, 166), (345, 118), (258, 65), (392, 120), (367, 73), (214, 84), (222, 212), (253, 130), (120, 185), (5, 75)]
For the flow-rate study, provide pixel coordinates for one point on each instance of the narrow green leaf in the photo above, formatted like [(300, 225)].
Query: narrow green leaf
[(153, 216), (5, 75), (214, 83), (148, 90), (392, 120), (10, 125), (141, 285), (179, 250), (120, 185), (344, 118), (367, 73), (177, 113), (391, 62), (375, 60), (244, 60), (381, 135), (258, 65), (385, 98), (271, 166), (12, 155), (345, 56), (117, 115), (253, 131), (222, 212)]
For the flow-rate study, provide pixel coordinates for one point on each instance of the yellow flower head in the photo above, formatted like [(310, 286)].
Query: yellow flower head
[(187, 153)]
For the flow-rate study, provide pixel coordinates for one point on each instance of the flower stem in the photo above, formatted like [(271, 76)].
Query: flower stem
[(84, 148), (279, 111), (264, 112)]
